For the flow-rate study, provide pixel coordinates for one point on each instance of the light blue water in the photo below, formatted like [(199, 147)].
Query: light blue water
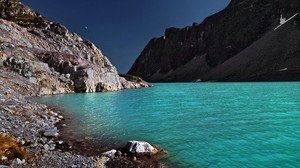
[(200, 124)]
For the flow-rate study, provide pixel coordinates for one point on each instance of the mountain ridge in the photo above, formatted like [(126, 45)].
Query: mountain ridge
[(211, 43)]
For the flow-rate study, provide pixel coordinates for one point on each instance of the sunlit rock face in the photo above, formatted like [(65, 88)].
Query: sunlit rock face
[(57, 60), (193, 52)]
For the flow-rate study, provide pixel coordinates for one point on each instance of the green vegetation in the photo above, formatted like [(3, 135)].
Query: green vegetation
[(23, 18)]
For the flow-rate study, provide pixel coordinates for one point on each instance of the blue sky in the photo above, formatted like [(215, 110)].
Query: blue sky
[(121, 29)]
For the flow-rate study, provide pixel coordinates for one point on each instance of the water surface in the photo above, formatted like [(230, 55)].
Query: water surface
[(200, 124)]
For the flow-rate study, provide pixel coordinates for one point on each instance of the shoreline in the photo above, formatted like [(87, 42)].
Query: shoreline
[(93, 147), (28, 121), (34, 127), (81, 145)]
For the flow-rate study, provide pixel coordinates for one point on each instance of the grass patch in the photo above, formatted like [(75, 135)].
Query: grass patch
[(23, 18)]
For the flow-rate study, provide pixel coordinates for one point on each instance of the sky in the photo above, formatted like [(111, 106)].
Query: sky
[(122, 28)]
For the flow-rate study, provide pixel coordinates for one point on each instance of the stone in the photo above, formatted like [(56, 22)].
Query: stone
[(4, 158), (140, 148), (109, 154), (51, 133), (19, 161), (46, 147), (118, 153)]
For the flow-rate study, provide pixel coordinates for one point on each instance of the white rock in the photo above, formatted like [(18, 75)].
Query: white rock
[(51, 133), (46, 147), (4, 158), (109, 154), (19, 161), (140, 147)]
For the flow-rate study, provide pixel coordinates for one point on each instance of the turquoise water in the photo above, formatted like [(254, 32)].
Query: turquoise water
[(200, 124)]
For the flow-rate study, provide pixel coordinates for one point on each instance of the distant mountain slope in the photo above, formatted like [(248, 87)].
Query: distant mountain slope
[(203, 51), (51, 57)]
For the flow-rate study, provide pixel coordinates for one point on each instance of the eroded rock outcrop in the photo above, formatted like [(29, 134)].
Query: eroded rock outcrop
[(190, 53), (55, 59)]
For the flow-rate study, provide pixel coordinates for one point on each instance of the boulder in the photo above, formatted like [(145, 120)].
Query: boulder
[(140, 148)]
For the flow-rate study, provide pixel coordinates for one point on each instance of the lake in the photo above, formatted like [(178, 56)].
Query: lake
[(199, 124)]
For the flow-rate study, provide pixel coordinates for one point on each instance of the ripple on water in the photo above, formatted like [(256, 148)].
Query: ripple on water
[(200, 124)]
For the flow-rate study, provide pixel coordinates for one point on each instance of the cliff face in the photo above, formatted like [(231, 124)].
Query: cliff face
[(192, 53), (52, 58)]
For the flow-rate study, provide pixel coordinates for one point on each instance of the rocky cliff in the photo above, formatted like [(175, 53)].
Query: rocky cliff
[(250, 40), (51, 57)]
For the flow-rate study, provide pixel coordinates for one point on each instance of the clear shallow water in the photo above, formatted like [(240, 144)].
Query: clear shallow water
[(200, 124)]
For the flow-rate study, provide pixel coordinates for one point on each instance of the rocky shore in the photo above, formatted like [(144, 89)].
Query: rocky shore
[(40, 57), (34, 127), (39, 130)]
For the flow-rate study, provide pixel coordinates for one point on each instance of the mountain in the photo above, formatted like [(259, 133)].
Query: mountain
[(250, 40), (52, 59)]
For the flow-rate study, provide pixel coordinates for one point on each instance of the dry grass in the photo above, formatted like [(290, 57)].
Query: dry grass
[(101, 162), (11, 148)]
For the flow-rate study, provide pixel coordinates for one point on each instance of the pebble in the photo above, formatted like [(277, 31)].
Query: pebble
[(51, 133), (19, 161), (46, 147), (110, 154), (4, 158)]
